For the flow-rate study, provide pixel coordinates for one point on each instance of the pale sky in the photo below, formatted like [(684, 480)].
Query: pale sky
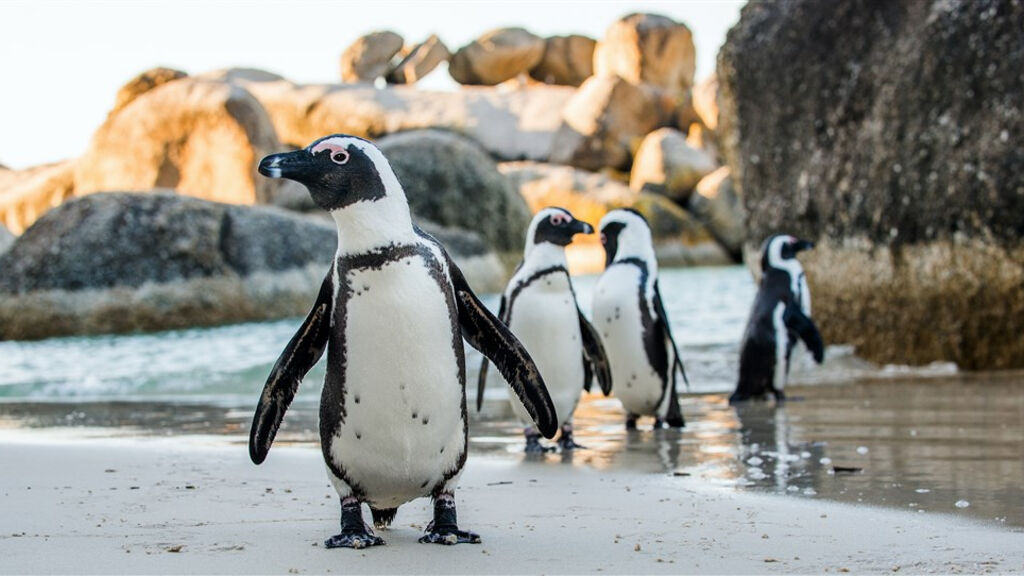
[(62, 62)]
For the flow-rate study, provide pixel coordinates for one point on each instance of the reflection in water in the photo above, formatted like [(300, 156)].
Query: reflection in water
[(915, 445)]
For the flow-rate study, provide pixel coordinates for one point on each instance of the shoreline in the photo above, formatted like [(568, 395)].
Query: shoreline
[(197, 505)]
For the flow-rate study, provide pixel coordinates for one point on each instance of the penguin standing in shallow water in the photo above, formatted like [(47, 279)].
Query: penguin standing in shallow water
[(539, 306), (391, 314), (631, 319), (781, 314)]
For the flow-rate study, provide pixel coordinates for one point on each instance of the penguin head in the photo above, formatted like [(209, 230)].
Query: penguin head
[(338, 170), (555, 226), (624, 234), (780, 251)]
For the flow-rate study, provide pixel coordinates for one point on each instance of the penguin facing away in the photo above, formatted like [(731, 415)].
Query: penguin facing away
[(539, 306), (781, 314), (391, 315), (631, 319)]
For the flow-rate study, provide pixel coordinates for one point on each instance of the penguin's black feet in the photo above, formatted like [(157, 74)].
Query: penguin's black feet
[(631, 421), (362, 539), (444, 529), (658, 424), (566, 441), (676, 423), (354, 532), (780, 396), (533, 445)]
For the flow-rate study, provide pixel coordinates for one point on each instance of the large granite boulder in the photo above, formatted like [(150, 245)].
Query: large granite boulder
[(369, 57), (420, 61), (648, 49), (705, 101), (450, 180), (509, 124), (666, 164), (716, 204), (126, 262), (497, 56), (143, 83), (603, 124), (889, 132), (679, 239), (25, 195), (567, 60), (199, 137)]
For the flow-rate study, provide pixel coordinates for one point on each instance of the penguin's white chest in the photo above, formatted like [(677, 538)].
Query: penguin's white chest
[(617, 318), (403, 428), (545, 319)]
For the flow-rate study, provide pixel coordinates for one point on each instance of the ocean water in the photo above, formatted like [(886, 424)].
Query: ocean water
[(927, 439)]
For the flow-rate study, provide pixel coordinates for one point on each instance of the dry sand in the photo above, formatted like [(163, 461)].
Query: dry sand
[(195, 505)]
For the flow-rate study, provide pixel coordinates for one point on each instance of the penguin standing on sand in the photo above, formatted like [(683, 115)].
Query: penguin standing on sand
[(391, 314), (781, 314), (539, 306), (630, 317)]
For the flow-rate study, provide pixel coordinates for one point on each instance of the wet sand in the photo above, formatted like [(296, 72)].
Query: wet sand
[(197, 505)]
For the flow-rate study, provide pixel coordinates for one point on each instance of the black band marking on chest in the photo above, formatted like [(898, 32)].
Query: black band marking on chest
[(523, 284)]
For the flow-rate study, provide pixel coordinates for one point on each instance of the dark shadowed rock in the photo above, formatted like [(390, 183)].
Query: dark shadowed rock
[(369, 57), (124, 262), (143, 83), (603, 124), (567, 60), (420, 61), (890, 133), (450, 180), (27, 194), (648, 49), (496, 56), (199, 137)]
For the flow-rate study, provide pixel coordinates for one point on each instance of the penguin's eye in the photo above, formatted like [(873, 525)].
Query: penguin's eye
[(339, 157), (559, 219)]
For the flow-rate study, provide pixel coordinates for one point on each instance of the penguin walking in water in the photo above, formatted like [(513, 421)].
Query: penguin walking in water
[(539, 306), (391, 315), (781, 314), (630, 317)]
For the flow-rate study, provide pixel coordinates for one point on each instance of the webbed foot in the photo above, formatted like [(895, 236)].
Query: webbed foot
[(533, 445), (631, 421), (566, 441), (354, 532), (444, 529), (357, 540)]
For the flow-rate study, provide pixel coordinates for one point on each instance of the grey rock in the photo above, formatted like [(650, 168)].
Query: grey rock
[(716, 204), (648, 49), (890, 133), (125, 262), (450, 180), (420, 61), (497, 56), (6, 239), (666, 164), (567, 60), (369, 57)]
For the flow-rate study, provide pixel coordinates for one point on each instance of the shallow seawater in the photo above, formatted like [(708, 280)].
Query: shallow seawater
[(927, 439)]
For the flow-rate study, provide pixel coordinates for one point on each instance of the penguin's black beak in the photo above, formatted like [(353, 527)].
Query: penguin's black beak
[(580, 227), (292, 165), (802, 245)]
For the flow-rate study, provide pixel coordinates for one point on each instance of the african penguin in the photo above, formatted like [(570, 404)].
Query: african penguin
[(391, 314), (781, 314), (539, 306), (630, 317)]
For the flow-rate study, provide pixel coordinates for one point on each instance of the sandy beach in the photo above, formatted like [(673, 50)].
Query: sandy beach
[(197, 505)]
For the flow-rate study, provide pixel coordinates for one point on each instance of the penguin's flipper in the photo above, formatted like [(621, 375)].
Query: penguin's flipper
[(800, 323), (493, 339), (302, 352), (659, 309), (481, 382), (595, 361)]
